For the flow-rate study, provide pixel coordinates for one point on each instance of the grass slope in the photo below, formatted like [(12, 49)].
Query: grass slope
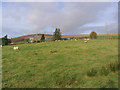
[(59, 64)]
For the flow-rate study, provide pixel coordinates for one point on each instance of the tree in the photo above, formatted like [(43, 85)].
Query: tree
[(57, 34), (42, 38), (5, 40), (93, 35)]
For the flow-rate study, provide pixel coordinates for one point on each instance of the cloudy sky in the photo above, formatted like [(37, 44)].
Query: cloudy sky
[(73, 18)]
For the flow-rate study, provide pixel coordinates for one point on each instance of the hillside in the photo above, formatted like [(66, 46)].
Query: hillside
[(26, 37), (64, 64)]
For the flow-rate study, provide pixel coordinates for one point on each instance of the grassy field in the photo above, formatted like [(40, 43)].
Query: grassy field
[(63, 64)]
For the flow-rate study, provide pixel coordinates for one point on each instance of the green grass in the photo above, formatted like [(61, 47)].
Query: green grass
[(61, 64)]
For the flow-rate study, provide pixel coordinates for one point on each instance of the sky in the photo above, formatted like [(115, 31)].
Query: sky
[(73, 18)]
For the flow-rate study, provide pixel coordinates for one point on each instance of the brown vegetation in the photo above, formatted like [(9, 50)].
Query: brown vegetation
[(26, 37)]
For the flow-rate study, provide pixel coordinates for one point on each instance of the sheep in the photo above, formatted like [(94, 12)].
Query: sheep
[(56, 40), (12, 43), (16, 48), (75, 39), (85, 41), (88, 39), (0, 45)]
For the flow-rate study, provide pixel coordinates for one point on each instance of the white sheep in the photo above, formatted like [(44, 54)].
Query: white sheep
[(75, 39), (85, 41), (88, 39), (16, 48), (0, 45)]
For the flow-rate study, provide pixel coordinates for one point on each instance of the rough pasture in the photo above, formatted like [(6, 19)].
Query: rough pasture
[(59, 64)]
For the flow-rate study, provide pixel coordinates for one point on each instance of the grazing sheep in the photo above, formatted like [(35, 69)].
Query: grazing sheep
[(16, 48), (0, 45), (12, 43), (75, 39), (55, 40), (85, 41), (88, 39)]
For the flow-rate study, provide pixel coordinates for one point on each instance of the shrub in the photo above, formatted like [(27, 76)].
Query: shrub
[(93, 35), (92, 72), (38, 41)]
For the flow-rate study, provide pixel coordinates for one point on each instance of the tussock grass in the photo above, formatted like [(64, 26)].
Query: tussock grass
[(112, 66), (104, 71), (92, 72)]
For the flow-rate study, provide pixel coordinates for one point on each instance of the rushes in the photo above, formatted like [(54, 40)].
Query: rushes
[(104, 71), (64, 79), (92, 72), (113, 66)]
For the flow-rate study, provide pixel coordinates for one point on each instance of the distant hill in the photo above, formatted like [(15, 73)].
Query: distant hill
[(27, 37)]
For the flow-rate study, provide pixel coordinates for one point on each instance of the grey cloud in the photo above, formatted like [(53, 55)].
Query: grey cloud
[(70, 17)]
